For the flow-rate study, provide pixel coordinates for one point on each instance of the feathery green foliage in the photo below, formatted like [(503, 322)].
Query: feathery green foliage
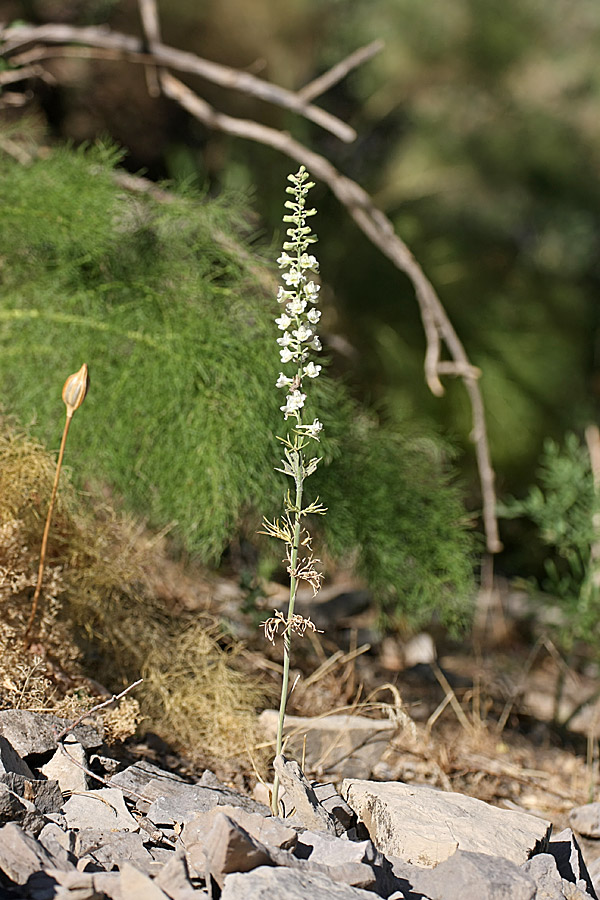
[(562, 507), (174, 316)]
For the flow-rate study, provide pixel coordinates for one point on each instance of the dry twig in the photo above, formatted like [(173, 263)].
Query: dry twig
[(133, 49)]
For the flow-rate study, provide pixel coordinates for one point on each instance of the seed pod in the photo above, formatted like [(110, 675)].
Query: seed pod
[(75, 389)]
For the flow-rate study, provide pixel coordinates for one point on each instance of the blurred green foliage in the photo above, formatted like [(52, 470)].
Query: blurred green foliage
[(562, 505), (479, 136), (171, 304)]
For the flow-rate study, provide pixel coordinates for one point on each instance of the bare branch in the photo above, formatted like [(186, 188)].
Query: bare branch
[(378, 228), (327, 80), (151, 29), (62, 735), (132, 49)]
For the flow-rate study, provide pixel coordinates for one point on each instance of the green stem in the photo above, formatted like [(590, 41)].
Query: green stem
[(286, 639)]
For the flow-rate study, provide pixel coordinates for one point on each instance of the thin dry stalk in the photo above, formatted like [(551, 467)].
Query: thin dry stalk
[(73, 394), (40, 575), (592, 439), (337, 73), (458, 710)]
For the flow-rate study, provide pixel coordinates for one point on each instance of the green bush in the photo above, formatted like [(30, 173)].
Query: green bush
[(173, 312)]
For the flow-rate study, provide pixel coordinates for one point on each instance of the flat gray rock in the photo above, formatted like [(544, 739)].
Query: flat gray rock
[(66, 769), (478, 876), (112, 848), (181, 802), (267, 883), (135, 777), (424, 826), (137, 886), (338, 744), (30, 732), (20, 854), (586, 819), (103, 810)]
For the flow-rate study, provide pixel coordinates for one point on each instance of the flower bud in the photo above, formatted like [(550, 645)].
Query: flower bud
[(75, 389)]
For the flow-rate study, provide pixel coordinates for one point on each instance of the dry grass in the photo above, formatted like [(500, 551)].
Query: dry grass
[(99, 622)]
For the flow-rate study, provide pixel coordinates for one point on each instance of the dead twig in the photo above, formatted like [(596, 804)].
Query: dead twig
[(133, 49), (89, 712), (328, 79), (151, 29), (452, 700)]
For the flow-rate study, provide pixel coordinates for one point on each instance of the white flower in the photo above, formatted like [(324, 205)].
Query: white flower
[(313, 430), (311, 291), (286, 355), (285, 340), (302, 333), (308, 261), (293, 277), (283, 296), (311, 370), (296, 307), (294, 402), (284, 321), (285, 260), (283, 381), (316, 343), (313, 315)]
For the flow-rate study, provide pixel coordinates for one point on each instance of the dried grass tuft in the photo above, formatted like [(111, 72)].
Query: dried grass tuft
[(99, 620)]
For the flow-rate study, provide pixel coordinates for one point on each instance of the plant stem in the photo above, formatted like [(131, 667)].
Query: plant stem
[(38, 586), (286, 638)]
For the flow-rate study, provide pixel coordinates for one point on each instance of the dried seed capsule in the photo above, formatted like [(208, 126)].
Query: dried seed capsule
[(75, 389)]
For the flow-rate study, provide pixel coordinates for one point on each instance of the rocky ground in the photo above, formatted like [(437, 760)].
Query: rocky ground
[(437, 771), (78, 824)]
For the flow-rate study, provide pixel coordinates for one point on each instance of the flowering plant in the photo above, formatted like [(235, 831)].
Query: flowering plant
[(298, 295)]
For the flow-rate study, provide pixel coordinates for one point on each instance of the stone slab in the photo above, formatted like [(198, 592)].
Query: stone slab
[(339, 744), (424, 826), (30, 732), (267, 883), (103, 809)]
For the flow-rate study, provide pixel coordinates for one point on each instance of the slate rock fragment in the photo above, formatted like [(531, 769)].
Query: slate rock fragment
[(569, 861), (476, 875), (21, 855), (64, 766), (301, 796), (286, 884), (549, 884), (425, 826), (11, 762), (103, 809), (34, 733)]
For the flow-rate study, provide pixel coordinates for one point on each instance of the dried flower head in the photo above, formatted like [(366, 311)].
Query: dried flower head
[(75, 389)]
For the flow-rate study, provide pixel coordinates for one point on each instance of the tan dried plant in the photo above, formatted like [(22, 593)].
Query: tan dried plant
[(100, 619)]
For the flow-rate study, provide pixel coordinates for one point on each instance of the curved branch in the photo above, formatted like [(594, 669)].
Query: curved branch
[(135, 50)]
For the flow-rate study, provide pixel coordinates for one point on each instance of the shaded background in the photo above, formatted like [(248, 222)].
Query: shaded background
[(479, 135)]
